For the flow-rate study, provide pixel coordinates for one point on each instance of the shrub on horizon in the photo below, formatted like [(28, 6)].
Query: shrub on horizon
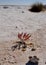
[(37, 7), (5, 7)]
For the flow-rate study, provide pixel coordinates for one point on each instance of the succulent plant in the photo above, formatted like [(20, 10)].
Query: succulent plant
[(23, 36), (21, 44)]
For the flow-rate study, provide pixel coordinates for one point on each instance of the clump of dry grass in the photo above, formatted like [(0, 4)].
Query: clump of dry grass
[(37, 7)]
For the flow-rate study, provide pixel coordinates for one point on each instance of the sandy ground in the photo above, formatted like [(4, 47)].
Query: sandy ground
[(16, 19)]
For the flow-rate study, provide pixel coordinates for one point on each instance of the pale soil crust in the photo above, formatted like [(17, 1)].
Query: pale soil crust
[(12, 21)]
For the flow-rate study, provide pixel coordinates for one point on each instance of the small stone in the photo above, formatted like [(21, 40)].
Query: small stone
[(4, 58), (22, 11), (16, 27), (14, 56), (33, 49)]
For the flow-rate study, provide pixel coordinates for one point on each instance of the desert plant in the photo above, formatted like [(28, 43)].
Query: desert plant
[(23, 37), (36, 7), (21, 44)]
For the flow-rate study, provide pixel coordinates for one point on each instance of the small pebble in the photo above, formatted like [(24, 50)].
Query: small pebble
[(22, 11), (16, 27), (33, 49), (4, 58)]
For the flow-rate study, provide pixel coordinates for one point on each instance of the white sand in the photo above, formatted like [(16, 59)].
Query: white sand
[(33, 23)]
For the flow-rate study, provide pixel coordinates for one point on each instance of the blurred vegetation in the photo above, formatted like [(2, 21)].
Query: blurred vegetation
[(37, 7)]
